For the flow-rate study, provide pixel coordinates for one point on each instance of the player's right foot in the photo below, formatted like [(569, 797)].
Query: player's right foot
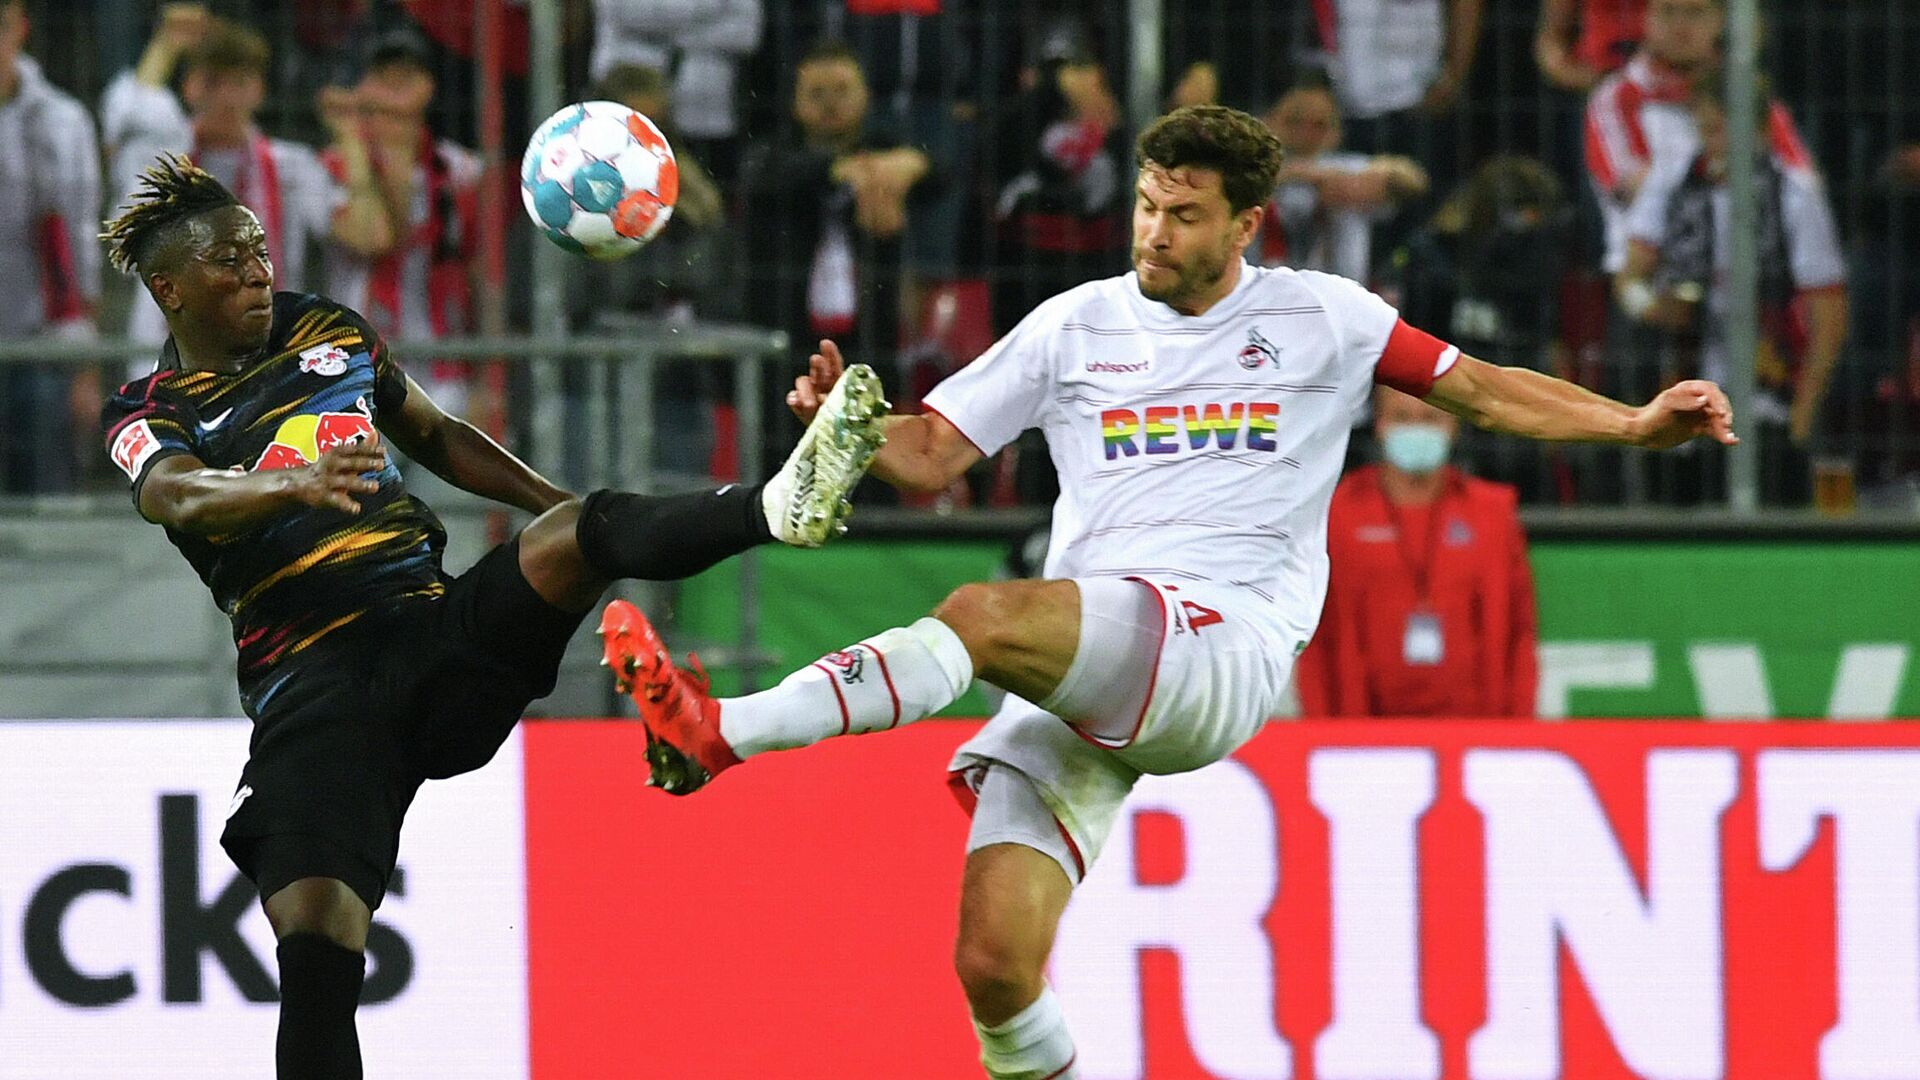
[(806, 502), (684, 745)]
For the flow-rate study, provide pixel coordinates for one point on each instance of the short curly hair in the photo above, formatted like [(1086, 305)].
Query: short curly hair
[(1228, 141)]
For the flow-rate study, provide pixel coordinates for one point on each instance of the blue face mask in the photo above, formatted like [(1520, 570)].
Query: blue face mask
[(1416, 448)]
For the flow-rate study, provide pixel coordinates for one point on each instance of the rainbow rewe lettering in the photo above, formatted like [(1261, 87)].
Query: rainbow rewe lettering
[(1209, 423), (1161, 429), (1118, 427), (1261, 424), (1157, 428)]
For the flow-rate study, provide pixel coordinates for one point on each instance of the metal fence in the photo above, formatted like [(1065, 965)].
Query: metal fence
[(94, 605), (1023, 115)]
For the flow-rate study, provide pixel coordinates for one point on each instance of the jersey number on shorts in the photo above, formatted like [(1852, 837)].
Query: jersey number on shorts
[(1199, 615)]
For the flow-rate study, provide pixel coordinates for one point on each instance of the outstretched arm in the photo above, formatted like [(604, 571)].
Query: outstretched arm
[(186, 495), (465, 457), (1518, 401), (923, 453)]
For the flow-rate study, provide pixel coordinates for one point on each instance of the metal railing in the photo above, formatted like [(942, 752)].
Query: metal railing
[(961, 83), (588, 421)]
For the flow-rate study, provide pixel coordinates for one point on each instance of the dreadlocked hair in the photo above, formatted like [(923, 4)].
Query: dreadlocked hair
[(172, 191)]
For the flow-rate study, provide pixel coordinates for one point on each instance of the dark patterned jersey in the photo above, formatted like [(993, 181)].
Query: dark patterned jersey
[(325, 378)]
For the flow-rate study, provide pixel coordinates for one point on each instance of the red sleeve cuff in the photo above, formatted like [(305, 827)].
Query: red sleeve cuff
[(1413, 359)]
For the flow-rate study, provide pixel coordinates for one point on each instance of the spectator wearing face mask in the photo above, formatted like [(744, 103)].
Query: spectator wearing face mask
[(1430, 607)]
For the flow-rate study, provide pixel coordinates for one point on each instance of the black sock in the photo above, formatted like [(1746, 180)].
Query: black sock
[(319, 991), (668, 537)]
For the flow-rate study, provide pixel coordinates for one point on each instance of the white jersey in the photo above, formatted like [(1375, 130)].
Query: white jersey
[(1195, 448)]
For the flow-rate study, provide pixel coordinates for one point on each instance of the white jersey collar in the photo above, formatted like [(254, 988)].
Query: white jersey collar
[(1153, 313)]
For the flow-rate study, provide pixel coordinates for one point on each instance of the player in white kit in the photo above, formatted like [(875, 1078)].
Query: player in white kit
[(1197, 410)]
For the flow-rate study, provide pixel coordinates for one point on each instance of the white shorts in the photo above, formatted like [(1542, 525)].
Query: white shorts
[(1167, 678)]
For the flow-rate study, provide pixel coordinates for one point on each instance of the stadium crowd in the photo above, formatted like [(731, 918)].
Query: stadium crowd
[(1541, 181)]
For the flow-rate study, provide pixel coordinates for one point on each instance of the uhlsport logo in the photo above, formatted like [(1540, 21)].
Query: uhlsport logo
[(1258, 351), (1172, 429)]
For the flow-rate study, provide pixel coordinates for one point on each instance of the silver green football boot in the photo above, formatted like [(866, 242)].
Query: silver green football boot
[(806, 501)]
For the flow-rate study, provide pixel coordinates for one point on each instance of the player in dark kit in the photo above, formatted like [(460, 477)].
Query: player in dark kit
[(366, 668)]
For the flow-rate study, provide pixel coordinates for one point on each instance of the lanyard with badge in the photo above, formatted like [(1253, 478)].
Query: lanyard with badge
[(1421, 644)]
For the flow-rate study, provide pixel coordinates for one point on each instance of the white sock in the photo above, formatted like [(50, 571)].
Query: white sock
[(894, 678), (1034, 1045)]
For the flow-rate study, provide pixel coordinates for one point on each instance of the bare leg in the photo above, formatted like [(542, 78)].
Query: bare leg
[(321, 906), (322, 928), (551, 560), (1019, 635), (1011, 900), (1022, 635)]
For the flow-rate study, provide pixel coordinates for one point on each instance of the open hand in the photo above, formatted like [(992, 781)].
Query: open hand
[(823, 370), (340, 475), (1683, 411)]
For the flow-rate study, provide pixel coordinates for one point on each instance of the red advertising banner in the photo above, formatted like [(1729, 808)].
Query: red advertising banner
[(1598, 901)]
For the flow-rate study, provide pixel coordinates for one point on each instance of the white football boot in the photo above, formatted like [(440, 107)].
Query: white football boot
[(806, 501)]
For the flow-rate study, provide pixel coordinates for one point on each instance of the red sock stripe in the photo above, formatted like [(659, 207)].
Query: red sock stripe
[(888, 676), (846, 718), (1063, 1068)]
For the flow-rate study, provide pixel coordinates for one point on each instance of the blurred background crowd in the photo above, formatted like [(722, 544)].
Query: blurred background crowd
[(1544, 182)]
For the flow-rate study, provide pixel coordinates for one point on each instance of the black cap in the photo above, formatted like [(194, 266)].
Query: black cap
[(403, 45)]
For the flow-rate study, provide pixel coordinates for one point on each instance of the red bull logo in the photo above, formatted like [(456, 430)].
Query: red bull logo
[(302, 439)]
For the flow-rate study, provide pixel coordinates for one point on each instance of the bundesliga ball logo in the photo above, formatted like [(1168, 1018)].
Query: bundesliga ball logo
[(599, 179)]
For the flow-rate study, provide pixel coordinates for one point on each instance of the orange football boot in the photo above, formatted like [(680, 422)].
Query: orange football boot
[(684, 747)]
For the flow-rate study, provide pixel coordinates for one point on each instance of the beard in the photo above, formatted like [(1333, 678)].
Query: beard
[(1187, 281)]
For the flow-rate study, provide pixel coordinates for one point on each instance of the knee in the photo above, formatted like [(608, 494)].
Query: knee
[(556, 525), (320, 906), (999, 976), (983, 616)]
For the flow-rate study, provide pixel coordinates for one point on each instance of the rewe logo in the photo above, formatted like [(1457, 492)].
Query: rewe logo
[(1170, 429)]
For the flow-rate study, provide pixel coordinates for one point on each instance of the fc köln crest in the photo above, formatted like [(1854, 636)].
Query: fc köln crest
[(1258, 351)]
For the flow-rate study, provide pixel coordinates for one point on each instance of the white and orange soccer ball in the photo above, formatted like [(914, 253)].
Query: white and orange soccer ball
[(599, 179)]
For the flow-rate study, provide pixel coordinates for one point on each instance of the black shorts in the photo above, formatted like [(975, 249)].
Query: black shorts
[(426, 689)]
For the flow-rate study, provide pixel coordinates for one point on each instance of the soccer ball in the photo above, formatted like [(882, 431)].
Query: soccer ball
[(599, 179)]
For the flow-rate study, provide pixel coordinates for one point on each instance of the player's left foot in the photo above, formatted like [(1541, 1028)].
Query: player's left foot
[(806, 501), (684, 745)]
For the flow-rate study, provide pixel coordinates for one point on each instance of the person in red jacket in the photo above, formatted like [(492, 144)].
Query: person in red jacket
[(1430, 603)]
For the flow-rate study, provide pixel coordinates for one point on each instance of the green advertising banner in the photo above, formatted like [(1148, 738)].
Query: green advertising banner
[(1627, 629)]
